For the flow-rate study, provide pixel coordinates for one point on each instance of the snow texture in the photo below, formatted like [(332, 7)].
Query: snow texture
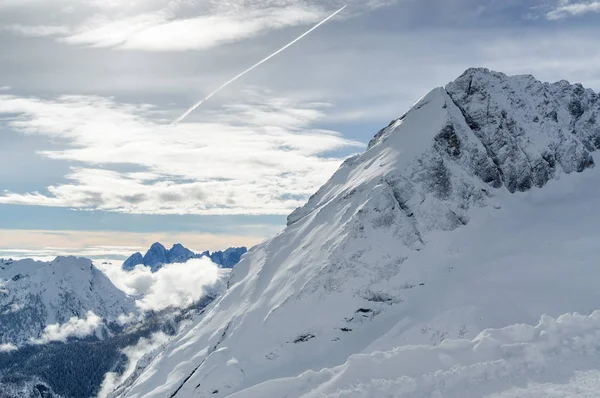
[(495, 359), (469, 212), (35, 294)]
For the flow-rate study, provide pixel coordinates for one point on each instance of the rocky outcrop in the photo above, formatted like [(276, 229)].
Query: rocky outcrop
[(528, 128)]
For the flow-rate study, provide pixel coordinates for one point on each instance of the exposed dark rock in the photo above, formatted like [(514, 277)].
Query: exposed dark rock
[(449, 141), (304, 338), (506, 134)]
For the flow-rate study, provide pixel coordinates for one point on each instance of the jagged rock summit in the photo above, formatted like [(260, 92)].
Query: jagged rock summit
[(158, 255), (460, 216), (507, 131)]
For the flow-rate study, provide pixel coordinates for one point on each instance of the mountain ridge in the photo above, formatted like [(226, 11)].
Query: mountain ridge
[(158, 255), (406, 244), (35, 294)]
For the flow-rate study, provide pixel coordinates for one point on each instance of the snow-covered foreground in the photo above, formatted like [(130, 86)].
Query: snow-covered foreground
[(553, 357), (475, 210), (538, 254), (583, 384)]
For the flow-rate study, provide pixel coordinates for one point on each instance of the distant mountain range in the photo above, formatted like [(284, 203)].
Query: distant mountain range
[(158, 255)]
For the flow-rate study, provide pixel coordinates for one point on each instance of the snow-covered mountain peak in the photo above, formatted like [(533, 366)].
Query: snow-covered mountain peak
[(422, 165), (156, 255), (72, 264), (531, 130), (157, 247), (34, 294), (180, 254), (369, 262), (513, 131)]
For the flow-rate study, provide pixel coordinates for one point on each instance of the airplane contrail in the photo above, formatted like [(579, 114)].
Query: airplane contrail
[(193, 108)]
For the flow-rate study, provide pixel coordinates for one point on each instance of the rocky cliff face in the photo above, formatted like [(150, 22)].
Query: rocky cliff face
[(370, 263), (529, 129)]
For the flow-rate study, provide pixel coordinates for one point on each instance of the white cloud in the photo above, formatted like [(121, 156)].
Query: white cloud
[(37, 31), (128, 319), (7, 347), (180, 285), (179, 25), (256, 157), (154, 32), (566, 8), (5, 88), (14, 307), (134, 355), (75, 327), (28, 3), (173, 286)]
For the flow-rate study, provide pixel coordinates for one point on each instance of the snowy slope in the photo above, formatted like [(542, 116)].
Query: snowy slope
[(498, 362), (34, 294), (462, 215)]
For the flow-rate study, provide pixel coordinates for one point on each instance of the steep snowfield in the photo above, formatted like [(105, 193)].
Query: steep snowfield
[(35, 294), (464, 214), (494, 362)]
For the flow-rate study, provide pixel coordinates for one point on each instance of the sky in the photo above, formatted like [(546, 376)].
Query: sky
[(92, 165)]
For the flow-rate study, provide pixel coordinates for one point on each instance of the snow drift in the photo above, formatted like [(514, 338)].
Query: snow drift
[(494, 360)]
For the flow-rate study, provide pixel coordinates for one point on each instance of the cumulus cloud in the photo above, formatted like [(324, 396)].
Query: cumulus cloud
[(7, 347), (260, 156), (128, 319), (75, 327), (173, 286), (134, 355), (567, 8)]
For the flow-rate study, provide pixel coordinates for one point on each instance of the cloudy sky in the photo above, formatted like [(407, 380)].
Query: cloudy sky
[(88, 90)]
